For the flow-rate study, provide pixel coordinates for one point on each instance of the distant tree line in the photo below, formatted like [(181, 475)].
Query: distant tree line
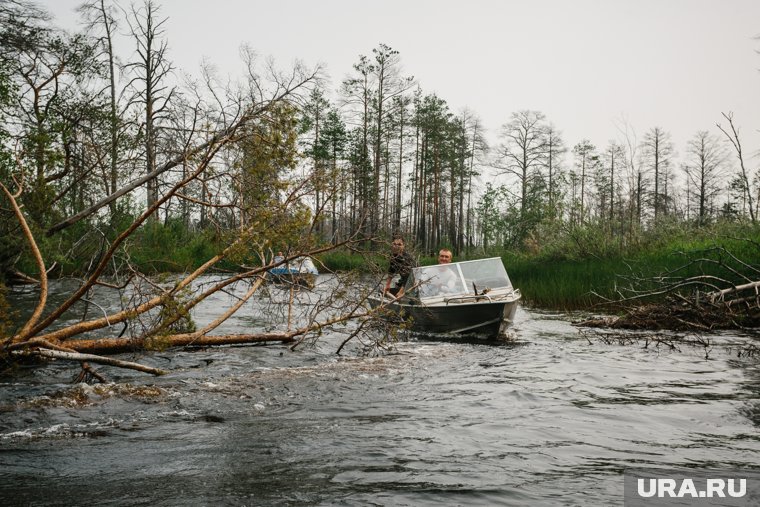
[(403, 161)]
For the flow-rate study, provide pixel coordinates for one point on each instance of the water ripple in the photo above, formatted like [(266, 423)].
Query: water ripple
[(550, 419)]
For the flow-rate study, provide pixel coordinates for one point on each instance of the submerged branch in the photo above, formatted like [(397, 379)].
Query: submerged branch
[(119, 345), (77, 356)]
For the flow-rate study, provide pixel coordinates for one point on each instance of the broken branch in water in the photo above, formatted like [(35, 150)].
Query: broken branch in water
[(78, 356), (721, 297), (651, 340)]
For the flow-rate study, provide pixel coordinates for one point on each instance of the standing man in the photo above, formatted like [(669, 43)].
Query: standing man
[(401, 264), (445, 256)]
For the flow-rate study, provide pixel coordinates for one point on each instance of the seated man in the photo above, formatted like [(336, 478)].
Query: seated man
[(441, 279)]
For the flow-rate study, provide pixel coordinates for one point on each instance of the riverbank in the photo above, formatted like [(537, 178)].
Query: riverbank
[(584, 270), (564, 271), (578, 281)]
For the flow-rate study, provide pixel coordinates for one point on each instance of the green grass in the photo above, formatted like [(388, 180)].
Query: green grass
[(570, 283), (564, 284)]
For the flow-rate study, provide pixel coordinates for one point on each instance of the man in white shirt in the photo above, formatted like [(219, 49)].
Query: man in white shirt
[(443, 279)]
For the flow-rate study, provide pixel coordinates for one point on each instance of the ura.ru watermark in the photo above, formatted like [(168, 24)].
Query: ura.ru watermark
[(692, 487)]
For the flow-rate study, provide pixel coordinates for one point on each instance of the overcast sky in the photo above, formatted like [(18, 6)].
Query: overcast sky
[(585, 64)]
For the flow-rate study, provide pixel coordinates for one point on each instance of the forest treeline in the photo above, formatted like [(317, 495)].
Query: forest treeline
[(90, 139)]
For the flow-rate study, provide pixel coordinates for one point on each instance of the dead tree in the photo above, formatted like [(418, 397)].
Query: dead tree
[(732, 135)]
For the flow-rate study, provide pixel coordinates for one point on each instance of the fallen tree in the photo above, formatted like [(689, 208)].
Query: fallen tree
[(34, 339), (245, 167), (724, 295)]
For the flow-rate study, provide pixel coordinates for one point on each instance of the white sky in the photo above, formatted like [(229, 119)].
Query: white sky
[(585, 64)]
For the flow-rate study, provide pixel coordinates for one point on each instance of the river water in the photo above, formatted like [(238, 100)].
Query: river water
[(553, 417)]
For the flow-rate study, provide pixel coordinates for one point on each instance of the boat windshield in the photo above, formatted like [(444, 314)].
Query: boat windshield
[(460, 278)]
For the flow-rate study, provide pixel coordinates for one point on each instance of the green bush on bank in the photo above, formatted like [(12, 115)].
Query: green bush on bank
[(340, 260), (172, 247), (156, 247), (565, 284)]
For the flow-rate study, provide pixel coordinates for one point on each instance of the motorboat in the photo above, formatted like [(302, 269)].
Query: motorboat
[(473, 298), (297, 272)]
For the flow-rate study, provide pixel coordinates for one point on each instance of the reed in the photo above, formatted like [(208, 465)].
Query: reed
[(582, 282), (566, 284)]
